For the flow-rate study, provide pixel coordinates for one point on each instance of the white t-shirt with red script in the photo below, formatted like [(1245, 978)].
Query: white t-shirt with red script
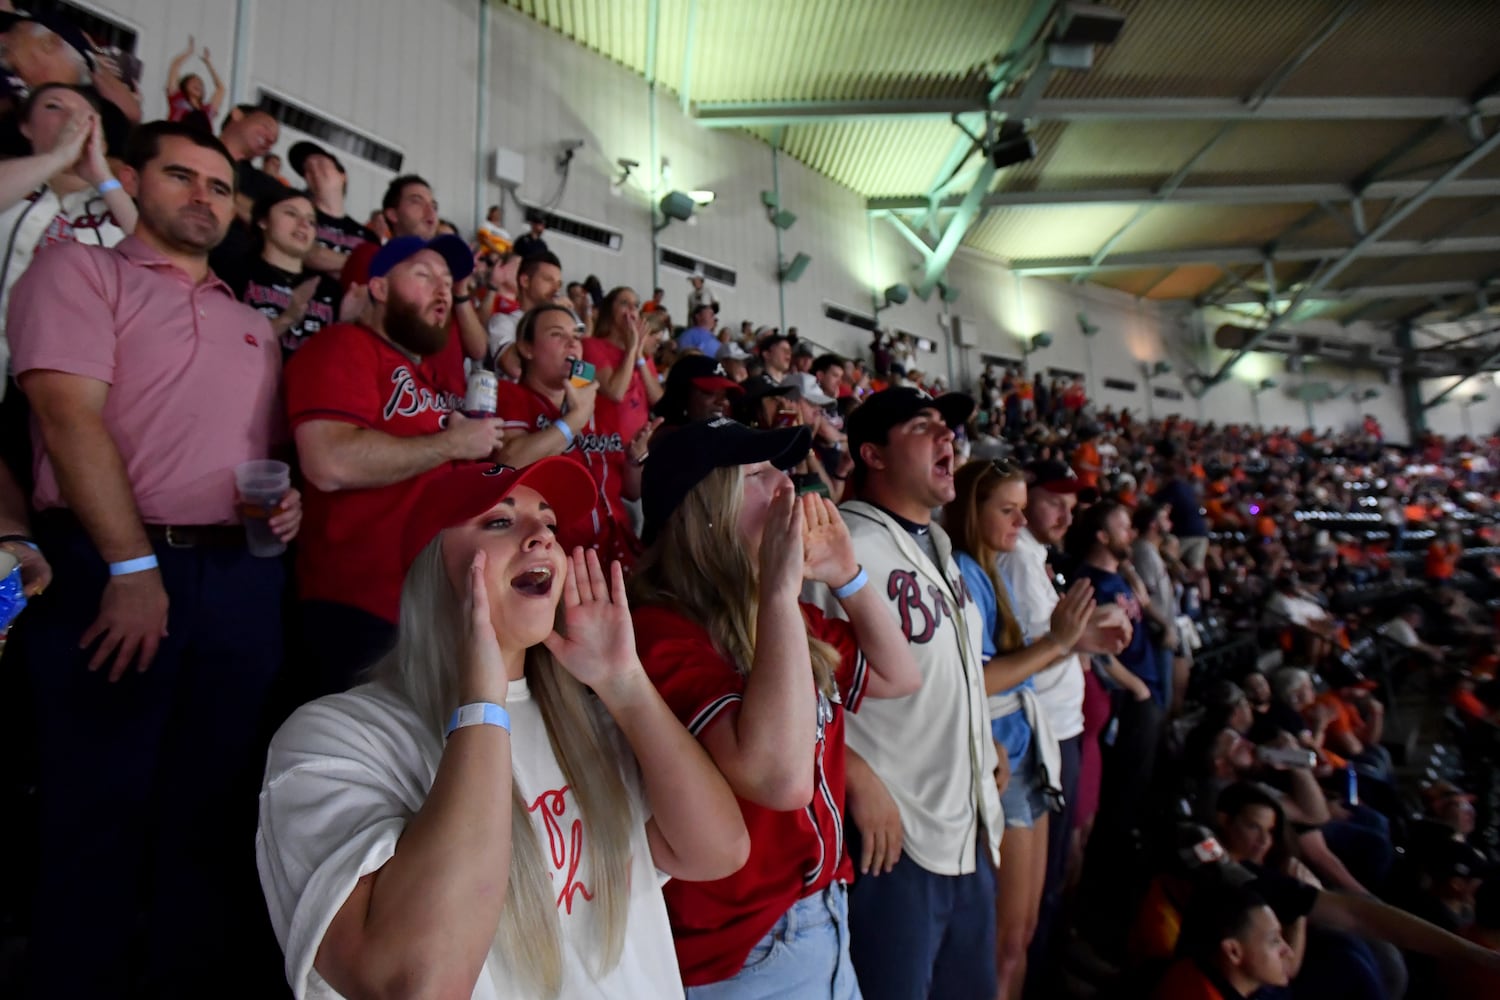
[(344, 776)]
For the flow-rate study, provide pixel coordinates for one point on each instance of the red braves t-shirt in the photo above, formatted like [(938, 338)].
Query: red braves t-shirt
[(631, 413), (597, 450), (353, 375), (792, 854)]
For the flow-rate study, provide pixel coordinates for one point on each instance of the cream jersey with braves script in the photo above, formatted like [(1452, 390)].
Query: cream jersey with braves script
[(344, 776), (933, 749)]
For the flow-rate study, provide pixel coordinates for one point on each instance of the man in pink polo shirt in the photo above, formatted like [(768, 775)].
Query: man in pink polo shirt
[(152, 653)]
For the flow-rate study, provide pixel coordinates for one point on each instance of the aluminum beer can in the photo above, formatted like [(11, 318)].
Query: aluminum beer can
[(481, 398)]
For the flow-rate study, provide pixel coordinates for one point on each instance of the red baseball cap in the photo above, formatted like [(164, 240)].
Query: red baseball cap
[(463, 492), (1052, 476)]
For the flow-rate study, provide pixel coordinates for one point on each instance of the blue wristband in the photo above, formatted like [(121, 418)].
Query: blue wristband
[(854, 586), (107, 185), (479, 713), (132, 566), (567, 433)]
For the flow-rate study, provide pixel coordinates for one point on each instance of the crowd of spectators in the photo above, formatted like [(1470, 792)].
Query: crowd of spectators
[(603, 654)]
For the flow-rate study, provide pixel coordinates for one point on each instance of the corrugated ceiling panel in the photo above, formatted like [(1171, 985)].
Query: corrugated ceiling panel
[(1074, 154), (846, 49), (1187, 283), (1449, 217), (1405, 48), (1174, 227), (1183, 48), (1441, 267), (910, 153), (1135, 283), (1270, 152), (1016, 233)]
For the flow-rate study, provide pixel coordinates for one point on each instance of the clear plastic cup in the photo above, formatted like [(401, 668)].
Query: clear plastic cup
[(261, 485)]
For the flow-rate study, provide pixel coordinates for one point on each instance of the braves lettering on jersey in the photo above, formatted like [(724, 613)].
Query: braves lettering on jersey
[(601, 452), (350, 374), (933, 748), (793, 853), (922, 614)]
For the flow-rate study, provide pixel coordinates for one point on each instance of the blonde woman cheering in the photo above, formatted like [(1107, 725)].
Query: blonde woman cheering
[(489, 815), (763, 681)]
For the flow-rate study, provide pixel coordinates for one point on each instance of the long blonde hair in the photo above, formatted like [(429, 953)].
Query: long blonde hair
[(699, 568), (423, 669), (974, 484)]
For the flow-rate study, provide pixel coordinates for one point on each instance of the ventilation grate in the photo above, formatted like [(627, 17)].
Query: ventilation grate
[(1119, 385), (1172, 394), (849, 317), (581, 230), (679, 261), (338, 136)]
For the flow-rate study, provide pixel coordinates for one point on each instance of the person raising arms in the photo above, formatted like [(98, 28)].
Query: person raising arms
[(488, 816)]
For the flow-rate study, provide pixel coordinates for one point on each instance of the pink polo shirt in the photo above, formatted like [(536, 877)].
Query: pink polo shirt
[(193, 375)]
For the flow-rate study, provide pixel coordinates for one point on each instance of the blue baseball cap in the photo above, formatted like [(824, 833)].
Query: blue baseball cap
[(454, 251)]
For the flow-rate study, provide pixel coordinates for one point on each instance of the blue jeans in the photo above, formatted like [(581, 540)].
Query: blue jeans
[(805, 956), (918, 935)]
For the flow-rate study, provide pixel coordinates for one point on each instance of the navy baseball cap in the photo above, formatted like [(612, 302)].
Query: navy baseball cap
[(681, 460), (871, 421), (454, 251), (298, 154)]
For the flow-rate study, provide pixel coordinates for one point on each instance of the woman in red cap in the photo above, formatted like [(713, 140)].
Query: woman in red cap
[(492, 814)]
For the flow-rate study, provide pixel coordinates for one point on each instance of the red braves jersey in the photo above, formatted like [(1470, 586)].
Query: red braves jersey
[(792, 854), (596, 448), (353, 375)]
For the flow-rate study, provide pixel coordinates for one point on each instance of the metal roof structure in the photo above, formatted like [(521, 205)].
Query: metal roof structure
[(1328, 157)]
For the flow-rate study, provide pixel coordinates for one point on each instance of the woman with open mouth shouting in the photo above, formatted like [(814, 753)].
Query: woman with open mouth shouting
[(763, 682), (489, 816)]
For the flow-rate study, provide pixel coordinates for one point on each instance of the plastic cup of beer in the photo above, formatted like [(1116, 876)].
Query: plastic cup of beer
[(261, 485)]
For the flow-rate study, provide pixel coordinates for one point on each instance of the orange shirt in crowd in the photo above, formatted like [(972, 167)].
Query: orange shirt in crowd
[(1442, 560), (1086, 464), (1185, 981)]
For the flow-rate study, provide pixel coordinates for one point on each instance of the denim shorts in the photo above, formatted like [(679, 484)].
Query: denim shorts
[(1024, 801), (805, 956)]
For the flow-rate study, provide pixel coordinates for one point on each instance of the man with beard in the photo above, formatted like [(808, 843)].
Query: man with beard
[(1051, 494), (374, 409), (148, 384), (409, 208), (922, 793)]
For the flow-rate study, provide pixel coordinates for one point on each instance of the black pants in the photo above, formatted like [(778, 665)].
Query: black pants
[(337, 644), (147, 883)]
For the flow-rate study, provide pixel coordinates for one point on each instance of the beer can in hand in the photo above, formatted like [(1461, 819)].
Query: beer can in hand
[(481, 398)]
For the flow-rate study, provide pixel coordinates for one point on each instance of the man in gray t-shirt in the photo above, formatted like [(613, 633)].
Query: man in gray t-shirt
[(1153, 523)]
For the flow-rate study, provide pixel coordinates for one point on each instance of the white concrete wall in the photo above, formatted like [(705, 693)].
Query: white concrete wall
[(407, 74)]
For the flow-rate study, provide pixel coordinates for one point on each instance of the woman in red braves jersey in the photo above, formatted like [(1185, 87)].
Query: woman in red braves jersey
[(762, 681), (546, 414)]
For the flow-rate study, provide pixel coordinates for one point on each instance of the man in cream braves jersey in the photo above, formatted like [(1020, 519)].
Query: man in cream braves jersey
[(921, 769), (373, 406)]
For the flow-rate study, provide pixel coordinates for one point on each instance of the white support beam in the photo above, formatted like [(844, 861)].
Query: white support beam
[(1230, 256), (1361, 293), (1233, 194), (749, 114)]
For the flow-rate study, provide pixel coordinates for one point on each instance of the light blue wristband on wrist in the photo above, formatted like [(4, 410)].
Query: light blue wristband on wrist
[(130, 566), (567, 432), (854, 586), (479, 713), (106, 186)]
